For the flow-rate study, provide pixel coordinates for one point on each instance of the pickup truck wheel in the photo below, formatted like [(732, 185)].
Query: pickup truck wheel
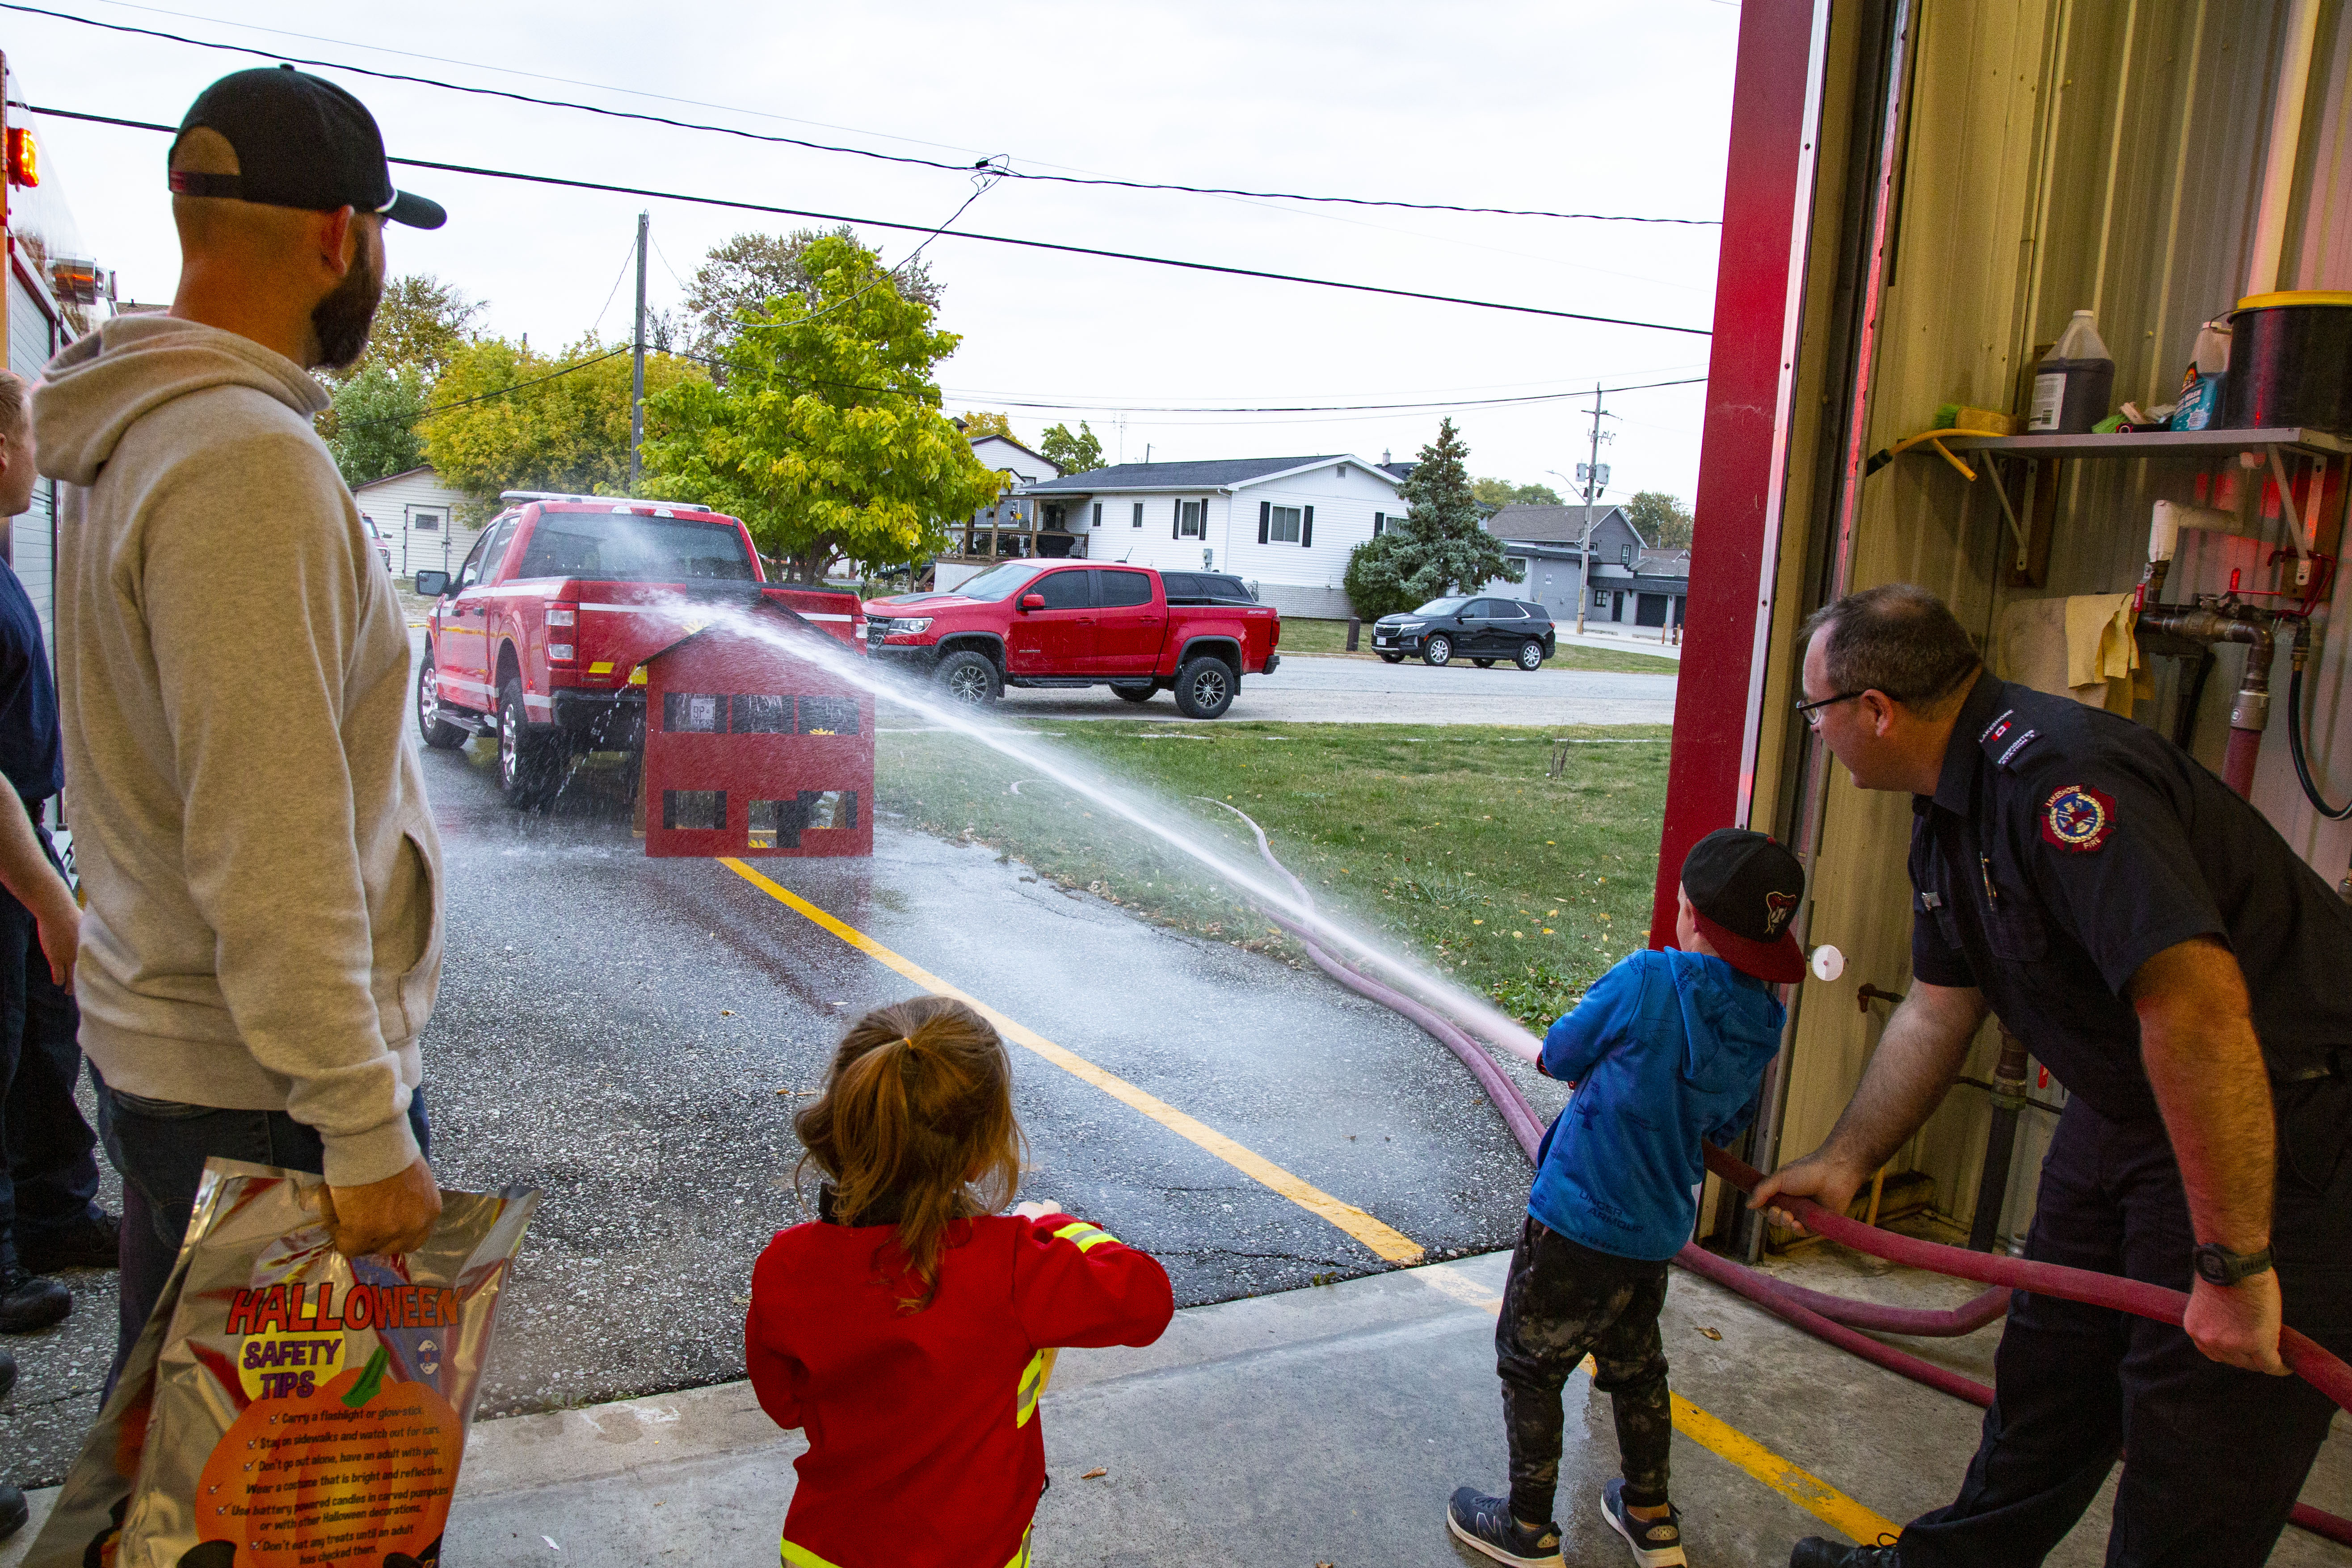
[(1437, 650), (1137, 693), (1391, 658), (1483, 663), (1205, 688), (971, 678), (436, 732), (530, 768), (1531, 655)]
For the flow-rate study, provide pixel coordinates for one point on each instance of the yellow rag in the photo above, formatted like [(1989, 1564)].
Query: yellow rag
[(2099, 642)]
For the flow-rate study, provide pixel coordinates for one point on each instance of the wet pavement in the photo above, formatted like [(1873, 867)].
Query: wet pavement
[(1304, 689), (632, 1035)]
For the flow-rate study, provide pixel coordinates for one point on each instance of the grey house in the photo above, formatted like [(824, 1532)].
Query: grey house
[(1627, 580)]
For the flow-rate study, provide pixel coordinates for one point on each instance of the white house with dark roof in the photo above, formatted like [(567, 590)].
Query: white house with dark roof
[(1284, 523)]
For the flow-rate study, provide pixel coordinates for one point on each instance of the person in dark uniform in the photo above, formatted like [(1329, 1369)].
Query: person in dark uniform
[(49, 1217), (2188, 979)]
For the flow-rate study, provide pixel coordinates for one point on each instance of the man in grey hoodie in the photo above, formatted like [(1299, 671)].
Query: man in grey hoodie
[(262, 939)]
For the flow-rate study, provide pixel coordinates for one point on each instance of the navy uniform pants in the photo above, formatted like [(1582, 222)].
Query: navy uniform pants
[(2213, 1455), (48, 1177)]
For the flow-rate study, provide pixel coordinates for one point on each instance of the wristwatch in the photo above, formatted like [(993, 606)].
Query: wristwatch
[(2217, 1265)]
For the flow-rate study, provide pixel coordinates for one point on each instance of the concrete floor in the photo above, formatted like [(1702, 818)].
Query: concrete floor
[(1319, 1425)]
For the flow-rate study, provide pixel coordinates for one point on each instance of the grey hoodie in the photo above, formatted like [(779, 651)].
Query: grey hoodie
[(263, 927)]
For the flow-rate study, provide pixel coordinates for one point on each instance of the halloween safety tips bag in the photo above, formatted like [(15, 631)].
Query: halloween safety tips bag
[(286, 1406)]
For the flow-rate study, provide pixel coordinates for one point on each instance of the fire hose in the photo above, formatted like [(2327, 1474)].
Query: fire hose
[(1835, 1318)]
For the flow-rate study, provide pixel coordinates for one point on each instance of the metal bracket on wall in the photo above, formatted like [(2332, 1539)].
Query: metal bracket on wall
[(2020, 529)]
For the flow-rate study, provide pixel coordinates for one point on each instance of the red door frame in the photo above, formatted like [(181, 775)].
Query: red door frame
[(1743, 455)]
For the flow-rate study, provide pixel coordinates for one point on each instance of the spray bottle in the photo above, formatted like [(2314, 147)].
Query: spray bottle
[(2073, 386)]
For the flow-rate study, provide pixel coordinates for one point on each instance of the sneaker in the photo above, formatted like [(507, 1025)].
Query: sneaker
[(1813, 1552), (1657, 1543), (95, 1242), (13, 1510), (28, 1302), (1485, 1523)]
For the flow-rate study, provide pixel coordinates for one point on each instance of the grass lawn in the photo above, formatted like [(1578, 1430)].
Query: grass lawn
[(1331, 638), (1455, 843)]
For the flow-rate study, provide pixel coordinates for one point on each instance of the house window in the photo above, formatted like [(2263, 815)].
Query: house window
[(1098, 514), (1054, 519), (1380, 523), (1517, 562), (1282, 525), (1139, 516), (1599, 599), (425, 522), (1187, 519), (1625, 555)]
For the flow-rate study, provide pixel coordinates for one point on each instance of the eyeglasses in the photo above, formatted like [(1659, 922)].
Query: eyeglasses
[(1813, 711)]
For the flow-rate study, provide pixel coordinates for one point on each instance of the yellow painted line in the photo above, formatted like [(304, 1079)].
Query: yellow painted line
[(1391, 1244), (1808, 1491)]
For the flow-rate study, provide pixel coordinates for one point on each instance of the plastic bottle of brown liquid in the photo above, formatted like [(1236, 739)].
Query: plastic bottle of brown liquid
[(2071, 388)]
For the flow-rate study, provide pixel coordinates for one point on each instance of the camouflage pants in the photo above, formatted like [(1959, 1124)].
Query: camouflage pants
[(1562, 1302)]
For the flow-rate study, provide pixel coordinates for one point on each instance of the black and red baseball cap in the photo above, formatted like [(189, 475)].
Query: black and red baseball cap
[(300, 142), (1744, 888)]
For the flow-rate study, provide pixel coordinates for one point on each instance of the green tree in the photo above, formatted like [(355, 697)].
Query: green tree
[(1078, 454), (512, 418), (371, 426), (980, 422), (1502, 492), (1661, 519), (743, 276), (420, 326), (798, 443)]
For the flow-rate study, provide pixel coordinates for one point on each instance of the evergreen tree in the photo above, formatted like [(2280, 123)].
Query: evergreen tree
[(1436, 549)]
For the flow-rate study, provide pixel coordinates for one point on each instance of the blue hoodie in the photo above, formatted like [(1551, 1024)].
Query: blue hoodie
[(1667, 1048)]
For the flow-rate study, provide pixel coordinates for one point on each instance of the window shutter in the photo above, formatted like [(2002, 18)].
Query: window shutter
[(1306, 528), (1176, 525), (1265, 519)]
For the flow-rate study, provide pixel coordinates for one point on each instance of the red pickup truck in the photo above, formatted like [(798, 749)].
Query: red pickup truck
[(537, 638), (1051, 624)]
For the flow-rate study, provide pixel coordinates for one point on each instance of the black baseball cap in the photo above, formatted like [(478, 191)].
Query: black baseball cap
[(300, 142), (1744, 888)]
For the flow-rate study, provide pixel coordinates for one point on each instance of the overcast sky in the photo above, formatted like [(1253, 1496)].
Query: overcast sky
[(1570, 105)]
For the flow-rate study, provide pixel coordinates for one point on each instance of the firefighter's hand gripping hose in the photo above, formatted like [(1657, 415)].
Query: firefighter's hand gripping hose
[(1834, 1318)]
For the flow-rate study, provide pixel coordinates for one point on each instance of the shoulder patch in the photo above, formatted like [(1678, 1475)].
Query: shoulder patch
[(2077, 818)]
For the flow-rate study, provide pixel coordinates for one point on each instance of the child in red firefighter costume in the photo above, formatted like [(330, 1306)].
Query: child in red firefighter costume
[(910, 1330)]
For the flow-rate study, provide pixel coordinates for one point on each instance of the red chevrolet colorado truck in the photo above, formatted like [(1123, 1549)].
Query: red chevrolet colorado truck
[(538, 637), (1046, 623)]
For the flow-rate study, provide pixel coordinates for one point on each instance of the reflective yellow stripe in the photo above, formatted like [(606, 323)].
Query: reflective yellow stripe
[(1021, 1558), (1033, 1383), (802, 1557), (1084, 1236)]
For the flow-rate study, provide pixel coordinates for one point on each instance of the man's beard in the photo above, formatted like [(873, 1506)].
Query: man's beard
[(342, 319)]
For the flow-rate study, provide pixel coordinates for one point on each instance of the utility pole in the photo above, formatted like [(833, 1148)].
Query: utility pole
[(1593, 475), (638, 360)]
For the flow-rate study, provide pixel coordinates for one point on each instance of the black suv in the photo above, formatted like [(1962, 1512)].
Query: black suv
[(1480, 630)]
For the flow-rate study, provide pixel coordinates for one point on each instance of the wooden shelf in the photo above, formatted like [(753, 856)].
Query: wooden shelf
[(2154, 443)]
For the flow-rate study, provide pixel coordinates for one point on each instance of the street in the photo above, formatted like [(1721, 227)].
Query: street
[(1305, 689)]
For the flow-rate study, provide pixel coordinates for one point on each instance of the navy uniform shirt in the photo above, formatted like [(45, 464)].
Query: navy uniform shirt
[(2064, 846), (30, 755)]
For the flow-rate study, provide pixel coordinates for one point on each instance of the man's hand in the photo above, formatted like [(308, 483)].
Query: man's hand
[(2238, 1325), (390, 1216), (1037, 1210), (1829, 1183), (58, 921)]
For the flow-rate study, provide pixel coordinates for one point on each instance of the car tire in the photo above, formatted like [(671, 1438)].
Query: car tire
[(1391, 658), (1531, 655), (431, 728), (1437, 652), (1137, 693), (1205, 688), (971, 678), (531, 767), (1483, 663)]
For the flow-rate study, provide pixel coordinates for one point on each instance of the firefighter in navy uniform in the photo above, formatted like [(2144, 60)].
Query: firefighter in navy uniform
[(2188, 979)]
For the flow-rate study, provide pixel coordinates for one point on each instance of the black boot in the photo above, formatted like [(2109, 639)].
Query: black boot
[(1813, 1552), (94, 1241), (28, 1302)]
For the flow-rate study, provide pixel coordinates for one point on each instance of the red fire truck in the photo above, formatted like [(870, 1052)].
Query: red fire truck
[(539, 637)]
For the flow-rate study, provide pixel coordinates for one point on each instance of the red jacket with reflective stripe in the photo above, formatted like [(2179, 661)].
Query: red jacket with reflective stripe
[(925, 1449)]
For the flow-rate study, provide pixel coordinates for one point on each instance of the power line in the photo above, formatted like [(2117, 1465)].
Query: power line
[(1319, 407), (659, 194), (830, 147)]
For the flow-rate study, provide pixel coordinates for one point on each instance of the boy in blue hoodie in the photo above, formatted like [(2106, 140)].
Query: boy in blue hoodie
[(1667, 1051)]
